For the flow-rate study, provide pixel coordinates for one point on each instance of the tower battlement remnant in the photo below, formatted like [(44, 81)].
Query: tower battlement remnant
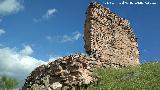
[(109, 37), (109, 42)]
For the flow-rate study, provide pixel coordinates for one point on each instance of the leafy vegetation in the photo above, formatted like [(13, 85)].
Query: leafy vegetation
[(7, 83), (142, 77)]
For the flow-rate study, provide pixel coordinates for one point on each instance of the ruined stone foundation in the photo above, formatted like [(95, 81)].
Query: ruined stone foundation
[(109, 42)]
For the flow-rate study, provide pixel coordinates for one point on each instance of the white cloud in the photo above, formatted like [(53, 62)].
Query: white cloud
[(65, 38), (70, 38), (49, 14), (76, 35), (26, 51), (10, 6), (2, 31), (18, 64)]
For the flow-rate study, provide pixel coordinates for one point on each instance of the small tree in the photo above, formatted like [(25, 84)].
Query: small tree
[(7, 83)]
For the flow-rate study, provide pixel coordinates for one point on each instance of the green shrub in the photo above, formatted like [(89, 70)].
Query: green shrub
[(7, 83)]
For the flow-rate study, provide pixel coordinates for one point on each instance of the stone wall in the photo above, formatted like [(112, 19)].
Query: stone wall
[(109, 37)]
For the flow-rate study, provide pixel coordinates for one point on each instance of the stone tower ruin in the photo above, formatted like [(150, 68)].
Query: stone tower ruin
[(109, 42), (109, 38)]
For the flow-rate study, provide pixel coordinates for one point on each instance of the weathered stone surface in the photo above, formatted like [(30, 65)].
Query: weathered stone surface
[(110, 37), (109, 42), (73, 70)]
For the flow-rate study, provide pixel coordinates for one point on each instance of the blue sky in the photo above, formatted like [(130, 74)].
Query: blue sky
[(35, 31)]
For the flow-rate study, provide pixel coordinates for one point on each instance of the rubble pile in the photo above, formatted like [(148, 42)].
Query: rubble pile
[(110, 37), (109, 42), (74, 70)]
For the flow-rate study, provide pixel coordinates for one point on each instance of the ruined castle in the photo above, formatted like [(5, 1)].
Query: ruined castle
[(109, 42)]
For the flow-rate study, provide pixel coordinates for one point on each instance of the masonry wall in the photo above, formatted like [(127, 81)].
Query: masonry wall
[(109, 37)]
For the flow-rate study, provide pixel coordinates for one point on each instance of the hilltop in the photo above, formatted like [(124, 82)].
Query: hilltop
[(142, 77)]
